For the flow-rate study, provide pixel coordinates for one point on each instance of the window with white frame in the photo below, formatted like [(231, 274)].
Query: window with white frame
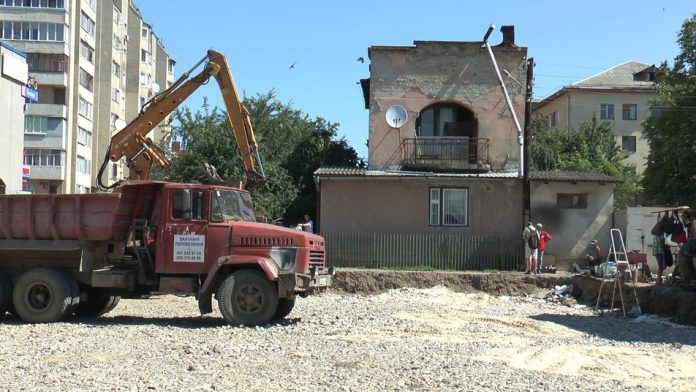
[(449, 207), (113, 119), (83, 165), (118, 44), (145, 79), (36, 125), (31, 31), (170, 66), (629, 111), (92, 4), (87, 24), (85, 108), (145, 56), (33, 3), (117, 16), (86, 80), (86, 51), (42, 157), (115, 94), (142, 102), (606, 111), (144, 32), (84, 137), (116, 69)]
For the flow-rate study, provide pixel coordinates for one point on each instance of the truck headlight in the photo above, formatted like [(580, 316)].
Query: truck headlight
[(284, 258)]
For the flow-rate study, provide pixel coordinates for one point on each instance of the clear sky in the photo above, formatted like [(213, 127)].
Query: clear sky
[(307, 50)]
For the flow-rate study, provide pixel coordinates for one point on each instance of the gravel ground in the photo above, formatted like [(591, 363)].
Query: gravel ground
[(404, 339)]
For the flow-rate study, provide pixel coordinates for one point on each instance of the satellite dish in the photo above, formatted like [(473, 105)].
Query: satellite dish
[(155, 87), (119, 124), (396, 116)]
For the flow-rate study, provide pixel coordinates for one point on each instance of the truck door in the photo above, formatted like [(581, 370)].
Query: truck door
[(186, 232)]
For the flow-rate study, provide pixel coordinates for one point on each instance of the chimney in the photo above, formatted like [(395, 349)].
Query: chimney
[(508, 36)]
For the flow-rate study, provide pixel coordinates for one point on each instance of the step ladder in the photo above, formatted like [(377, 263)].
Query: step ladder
[(618, 250)]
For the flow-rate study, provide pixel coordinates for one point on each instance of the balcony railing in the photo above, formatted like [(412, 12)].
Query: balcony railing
[(445, 153)]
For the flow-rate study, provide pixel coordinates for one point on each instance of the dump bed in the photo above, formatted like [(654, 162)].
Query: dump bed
[(91, 217)]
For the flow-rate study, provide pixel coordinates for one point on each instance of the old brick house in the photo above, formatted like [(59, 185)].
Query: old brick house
[(449, 167)]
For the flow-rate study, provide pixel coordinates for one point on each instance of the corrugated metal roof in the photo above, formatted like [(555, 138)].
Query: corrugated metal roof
[(571, 176), (620, 76), (358, 172)]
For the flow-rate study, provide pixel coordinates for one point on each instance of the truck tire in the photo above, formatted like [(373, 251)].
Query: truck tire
[(5, 292), (284, 308), (247, 297), (74, 292), (98, 303), (42, 295)]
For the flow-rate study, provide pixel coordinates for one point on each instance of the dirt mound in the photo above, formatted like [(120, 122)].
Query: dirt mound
[(496, 283)]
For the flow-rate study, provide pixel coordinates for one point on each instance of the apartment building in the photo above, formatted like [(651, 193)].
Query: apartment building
[(13, 79), (78, 53), (621, 95)]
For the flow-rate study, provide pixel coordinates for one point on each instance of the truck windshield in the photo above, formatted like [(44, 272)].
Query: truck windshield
[(228, 206)]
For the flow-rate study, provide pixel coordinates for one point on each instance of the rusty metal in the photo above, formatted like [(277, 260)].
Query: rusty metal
[(445, 153)]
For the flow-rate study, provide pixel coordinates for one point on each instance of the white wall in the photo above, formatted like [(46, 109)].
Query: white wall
[(11, 126)]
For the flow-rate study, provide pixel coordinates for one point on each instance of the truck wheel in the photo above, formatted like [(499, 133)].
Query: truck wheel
[(284, 308), (247, 297), (74, 292), (98, 303), (5, 292), (42, 295)]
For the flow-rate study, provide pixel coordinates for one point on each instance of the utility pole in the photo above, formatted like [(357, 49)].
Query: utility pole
[(526, 203)]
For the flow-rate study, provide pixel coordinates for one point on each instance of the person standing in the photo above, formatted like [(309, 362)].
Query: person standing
[(308, 224), (659, 253), (544, 237), (531, 245)]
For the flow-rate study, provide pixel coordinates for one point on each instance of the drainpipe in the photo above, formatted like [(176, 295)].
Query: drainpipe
[(520, 137), (527, 194)]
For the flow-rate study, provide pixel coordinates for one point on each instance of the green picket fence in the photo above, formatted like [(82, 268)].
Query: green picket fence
[(438, 251)]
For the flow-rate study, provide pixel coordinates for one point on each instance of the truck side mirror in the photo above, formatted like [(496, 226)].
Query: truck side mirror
[(186, 204)]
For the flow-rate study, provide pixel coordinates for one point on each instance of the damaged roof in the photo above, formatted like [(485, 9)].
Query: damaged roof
[(334, 171), (571, 176)]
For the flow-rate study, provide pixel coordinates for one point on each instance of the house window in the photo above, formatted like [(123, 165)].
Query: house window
[(170, 66), (36, 125), (630, 111), (628, 143), (554, 118), (85, 108), (116, 69), (42, 157), (83, 165), (114, 117), (87, 24), (86, 52), (571, 201), (34, 3), (84, 136), (145, 56), (92, 4), (117, 16), (144, 79), (31, 31), (449, 207), (606, 111), (118, 45), (115, 94), (144, 32), (446, 120), (86, 80)]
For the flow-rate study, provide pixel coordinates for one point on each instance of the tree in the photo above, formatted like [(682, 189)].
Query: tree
[(292, 146), (590, 148), (670, 176)]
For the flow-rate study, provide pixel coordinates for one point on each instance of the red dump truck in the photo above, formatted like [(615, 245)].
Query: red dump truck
[(77, 254)]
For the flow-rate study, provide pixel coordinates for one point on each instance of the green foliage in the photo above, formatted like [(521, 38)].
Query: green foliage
[(291, 144), (670, 177), (590, 148)]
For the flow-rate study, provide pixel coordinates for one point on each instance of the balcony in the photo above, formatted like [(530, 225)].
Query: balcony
[(47, 172), (445, 154), (51, 78), (47, 110)]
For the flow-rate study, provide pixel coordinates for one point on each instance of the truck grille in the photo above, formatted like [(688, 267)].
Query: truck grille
[(316, 258), (265, 241)]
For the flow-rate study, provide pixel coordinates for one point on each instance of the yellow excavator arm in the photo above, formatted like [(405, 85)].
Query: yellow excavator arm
[(141, 153)]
